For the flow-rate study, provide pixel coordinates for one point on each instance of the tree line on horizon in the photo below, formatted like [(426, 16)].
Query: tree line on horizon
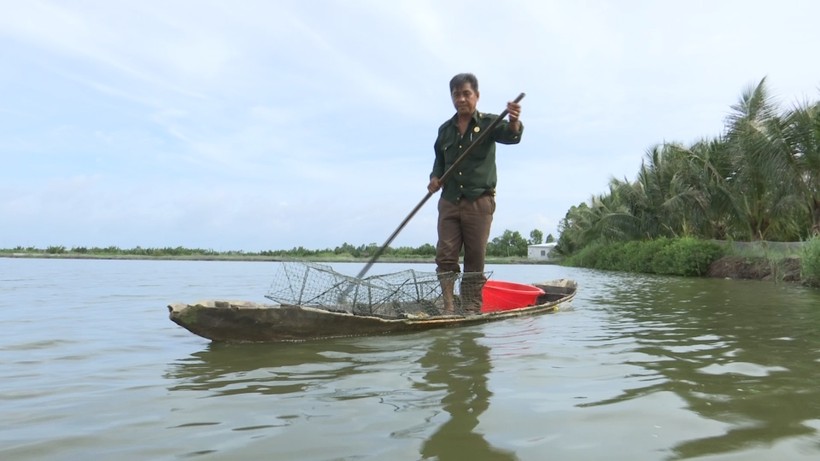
[(758, 180), (508, 244)]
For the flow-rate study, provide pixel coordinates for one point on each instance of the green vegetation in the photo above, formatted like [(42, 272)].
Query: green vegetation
[(111, 251), (346, 251), (759, 181), (509, 245), (686, 256), (811, 262)]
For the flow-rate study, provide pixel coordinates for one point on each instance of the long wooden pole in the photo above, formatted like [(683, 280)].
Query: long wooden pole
[(486, 132)]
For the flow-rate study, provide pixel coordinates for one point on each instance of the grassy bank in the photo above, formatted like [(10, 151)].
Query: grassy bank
[(693, 257)]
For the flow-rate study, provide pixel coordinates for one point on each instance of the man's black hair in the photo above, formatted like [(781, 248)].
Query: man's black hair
[(461, 79)]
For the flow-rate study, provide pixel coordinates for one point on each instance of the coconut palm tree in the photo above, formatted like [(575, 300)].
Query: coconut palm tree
[(711, 209), (762, 192), (603, 219), (614, 213), (802, 135), (571, 230), (760, 180)]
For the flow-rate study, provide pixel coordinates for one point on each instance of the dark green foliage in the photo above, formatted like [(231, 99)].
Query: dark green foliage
[(759, 180), (690, 256), (55, 250), (685, 256), (508, 244), (810, 262), (345, 251)]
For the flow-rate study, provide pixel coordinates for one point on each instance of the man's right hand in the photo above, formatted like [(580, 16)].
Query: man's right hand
[(434, 185)]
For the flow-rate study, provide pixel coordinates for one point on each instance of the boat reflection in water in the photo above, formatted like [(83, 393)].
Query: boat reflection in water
[(406, 397), (233, 369)]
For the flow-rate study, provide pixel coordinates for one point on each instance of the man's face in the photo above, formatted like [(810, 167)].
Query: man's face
[(465, 99)]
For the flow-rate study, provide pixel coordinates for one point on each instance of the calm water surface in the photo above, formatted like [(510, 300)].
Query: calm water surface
[(638, 368)]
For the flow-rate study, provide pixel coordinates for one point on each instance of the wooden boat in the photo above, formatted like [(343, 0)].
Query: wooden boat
[(243, 321)]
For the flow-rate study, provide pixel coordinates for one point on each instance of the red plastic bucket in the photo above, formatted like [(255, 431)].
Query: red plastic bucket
[(499, 296)]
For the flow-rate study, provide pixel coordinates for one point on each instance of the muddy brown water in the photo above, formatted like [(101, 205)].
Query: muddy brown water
[(637, 368)]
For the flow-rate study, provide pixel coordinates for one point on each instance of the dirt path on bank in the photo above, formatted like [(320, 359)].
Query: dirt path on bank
[(739, 267)]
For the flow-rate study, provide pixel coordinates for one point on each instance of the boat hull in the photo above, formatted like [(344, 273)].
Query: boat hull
[(248, 322)]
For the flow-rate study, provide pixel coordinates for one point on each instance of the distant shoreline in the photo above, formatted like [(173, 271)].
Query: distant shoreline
[(727, 267), (253, 258)]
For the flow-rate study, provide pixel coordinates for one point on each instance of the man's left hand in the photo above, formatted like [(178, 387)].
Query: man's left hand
[(514, 111)]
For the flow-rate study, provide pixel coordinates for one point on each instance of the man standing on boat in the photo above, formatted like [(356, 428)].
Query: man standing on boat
[(467, 203)]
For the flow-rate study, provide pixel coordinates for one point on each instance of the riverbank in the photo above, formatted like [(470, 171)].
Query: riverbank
[(787, 269), (728, 267), (259, 258)]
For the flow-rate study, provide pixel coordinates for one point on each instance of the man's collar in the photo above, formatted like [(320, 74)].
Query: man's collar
[(476, 117)]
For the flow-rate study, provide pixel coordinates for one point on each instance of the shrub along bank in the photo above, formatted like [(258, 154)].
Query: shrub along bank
[(810, 263), (685, 256), (694, 257)]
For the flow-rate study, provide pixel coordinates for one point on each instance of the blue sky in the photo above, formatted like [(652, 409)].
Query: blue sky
[(254, 125)]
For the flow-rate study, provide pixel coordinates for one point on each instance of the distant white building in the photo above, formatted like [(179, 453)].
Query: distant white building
[(541, 251)]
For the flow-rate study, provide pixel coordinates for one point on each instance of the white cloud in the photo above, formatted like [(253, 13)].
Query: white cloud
[(259, 125)]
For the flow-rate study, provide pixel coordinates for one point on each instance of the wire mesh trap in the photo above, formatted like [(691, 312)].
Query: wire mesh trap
[(395, 295)]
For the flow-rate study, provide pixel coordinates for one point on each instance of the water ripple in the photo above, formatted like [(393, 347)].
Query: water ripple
[(653, 367)]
